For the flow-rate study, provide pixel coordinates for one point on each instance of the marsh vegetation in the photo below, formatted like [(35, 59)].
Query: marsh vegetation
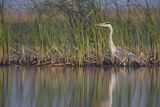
[(64, 32)]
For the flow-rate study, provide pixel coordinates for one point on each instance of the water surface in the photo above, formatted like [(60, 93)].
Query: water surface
[(79, 87)]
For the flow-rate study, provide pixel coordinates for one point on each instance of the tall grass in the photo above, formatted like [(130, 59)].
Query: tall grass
[(5, 41), (66, 33)]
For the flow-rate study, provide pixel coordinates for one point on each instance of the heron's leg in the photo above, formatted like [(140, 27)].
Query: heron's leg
[(123, 60)]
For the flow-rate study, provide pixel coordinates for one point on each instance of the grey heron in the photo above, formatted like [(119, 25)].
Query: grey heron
[(120, 53)]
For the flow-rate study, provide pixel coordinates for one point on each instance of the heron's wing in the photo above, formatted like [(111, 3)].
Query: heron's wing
[(121, 54)]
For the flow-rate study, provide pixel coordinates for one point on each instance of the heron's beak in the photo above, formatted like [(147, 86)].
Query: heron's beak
[(101, 24)]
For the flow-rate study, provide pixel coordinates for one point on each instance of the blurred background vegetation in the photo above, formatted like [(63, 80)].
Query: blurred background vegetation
[(63, 31)]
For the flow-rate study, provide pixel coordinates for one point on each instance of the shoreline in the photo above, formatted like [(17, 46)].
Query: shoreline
[(49, 64)]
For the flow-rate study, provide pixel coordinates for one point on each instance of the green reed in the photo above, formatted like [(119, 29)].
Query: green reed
[(5, 40), (66, 33)]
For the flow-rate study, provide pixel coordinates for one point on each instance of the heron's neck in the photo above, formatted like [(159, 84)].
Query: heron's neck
[(112, 46)]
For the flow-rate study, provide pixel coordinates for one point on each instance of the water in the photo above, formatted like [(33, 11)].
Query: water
[(79, 87)]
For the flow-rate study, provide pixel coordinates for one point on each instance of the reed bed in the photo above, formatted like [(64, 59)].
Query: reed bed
[(64, 33)]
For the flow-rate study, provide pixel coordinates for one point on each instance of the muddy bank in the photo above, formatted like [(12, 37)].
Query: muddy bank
[(103, 63)]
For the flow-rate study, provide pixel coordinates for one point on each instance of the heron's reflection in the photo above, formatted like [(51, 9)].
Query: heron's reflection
[(112, 85), (94, 87)]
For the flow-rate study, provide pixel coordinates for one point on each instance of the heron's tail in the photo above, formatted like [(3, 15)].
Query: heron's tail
[(134, 58), (142, 63)]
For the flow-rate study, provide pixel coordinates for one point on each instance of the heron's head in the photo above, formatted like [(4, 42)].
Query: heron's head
[(106, 24)]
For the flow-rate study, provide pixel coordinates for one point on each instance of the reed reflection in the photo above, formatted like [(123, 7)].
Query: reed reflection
[(79, 87)]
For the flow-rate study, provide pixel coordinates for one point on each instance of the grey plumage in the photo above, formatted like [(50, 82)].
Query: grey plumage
[(120, 53)]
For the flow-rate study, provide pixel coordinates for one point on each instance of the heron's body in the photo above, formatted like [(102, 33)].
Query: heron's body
[(120, 53)]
